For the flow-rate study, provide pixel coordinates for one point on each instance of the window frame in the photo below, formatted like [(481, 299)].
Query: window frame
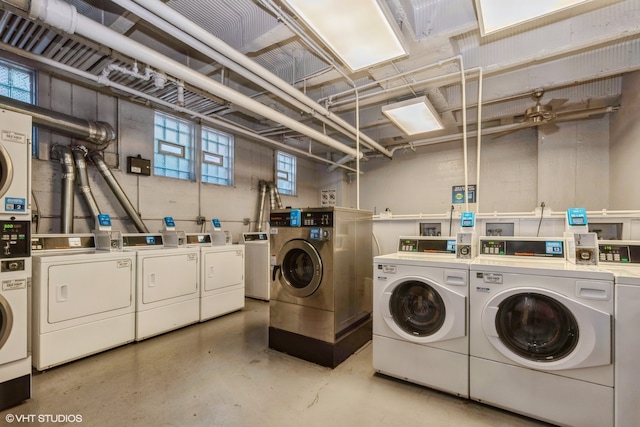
[(185, 153), (222, 147), (286, 175), (33, 77)]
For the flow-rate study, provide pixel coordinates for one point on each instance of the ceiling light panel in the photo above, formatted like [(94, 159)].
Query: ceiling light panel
[(414, 116), (496, 15), (357, 31)]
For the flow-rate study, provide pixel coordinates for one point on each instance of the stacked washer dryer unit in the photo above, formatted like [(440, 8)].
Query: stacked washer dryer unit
[(320, 306), (83, 298), (622, 258), (15, 257), (221, 276), (420, 314), (541, 339), (167, 282)]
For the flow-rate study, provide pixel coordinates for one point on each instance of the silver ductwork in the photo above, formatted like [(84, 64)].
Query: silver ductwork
[(96, 158), (99, 134), (263, 194), (79, 154), (276, 195), (68, 181)]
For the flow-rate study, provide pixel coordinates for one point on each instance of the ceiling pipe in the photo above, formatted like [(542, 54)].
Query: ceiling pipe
[(233, 128), (64, 16), (99, 134), (175, 24)]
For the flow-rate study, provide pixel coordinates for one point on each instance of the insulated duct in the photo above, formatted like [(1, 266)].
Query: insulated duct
[(99, 134), (96, 158), (83, 182), (276, 194), (68, 181), (263, 194)]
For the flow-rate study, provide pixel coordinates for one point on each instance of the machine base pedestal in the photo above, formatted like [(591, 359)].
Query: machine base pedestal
[(321, 352), (15, 391)]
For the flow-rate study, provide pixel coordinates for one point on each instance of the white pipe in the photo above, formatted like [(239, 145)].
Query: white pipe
[(91, 29), (357, 150), (238, 62), (217, 122), (479, 135), (464, 133)]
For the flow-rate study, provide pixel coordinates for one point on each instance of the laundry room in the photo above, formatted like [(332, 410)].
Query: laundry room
[(215, 201)]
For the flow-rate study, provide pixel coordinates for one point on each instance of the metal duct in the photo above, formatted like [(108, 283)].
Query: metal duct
[(99, 134), (68, 181), (263, 194), (83, 182), (276, 195), (96, 158)]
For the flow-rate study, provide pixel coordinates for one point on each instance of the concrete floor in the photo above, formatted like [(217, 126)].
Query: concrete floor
[(222, 373)]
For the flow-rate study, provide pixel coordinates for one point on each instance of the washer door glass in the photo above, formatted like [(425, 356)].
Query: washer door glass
[(6, 171), (417, 308), (536, 327), (301, 268), (6, 321)]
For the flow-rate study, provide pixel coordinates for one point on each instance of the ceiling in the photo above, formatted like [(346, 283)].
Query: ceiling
[(577, 57)]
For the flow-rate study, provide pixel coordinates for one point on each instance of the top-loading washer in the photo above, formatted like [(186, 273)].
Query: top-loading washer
[(541, 332), (320, 306), (420, 314), (622, 258), (15, 164), (257, 268), (167, 284), (83, 299), (221, 276), (15, 270)]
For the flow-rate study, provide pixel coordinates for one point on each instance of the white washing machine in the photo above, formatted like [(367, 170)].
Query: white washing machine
[(167, 284), (15, 360), (257, 265), (622, 258), (221, 277), (15, 163), (83, 299), (420, 321), (541, 333)]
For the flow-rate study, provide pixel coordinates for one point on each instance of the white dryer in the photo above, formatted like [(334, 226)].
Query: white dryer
[(83, 299), (15, 361), (221, 277), (257, 265), (420, 314), (167, 284), (15, 163), (541, 333), (622, 258)]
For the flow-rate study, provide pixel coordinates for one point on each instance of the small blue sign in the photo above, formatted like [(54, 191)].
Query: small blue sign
[(295, 218), (577, 216), (15, 204), (554, 248), (169, 222), (216, 224), (468, 219), (104, 220)]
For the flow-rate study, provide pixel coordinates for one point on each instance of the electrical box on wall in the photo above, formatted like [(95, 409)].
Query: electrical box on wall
[(138, 165)]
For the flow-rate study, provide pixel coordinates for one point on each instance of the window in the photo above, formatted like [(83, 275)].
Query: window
[(286, 173), (173, 147), (217, 157), (18, 83)]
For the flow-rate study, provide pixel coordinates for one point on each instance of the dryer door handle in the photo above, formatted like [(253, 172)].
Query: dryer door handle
[(62, 293), (152, 280), (273, 273)]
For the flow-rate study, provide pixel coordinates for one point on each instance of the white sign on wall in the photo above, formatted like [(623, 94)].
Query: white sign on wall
[(328, 197)]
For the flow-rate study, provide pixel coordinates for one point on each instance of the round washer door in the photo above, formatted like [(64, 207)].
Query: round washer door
[(301, 268), (6, 171), (420, 310), (6, 321), (542, 329)]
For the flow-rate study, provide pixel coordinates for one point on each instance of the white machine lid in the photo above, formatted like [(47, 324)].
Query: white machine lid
[(538, 267), (421, 259)]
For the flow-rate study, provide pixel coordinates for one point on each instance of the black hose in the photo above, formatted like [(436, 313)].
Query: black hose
[(541, 215)]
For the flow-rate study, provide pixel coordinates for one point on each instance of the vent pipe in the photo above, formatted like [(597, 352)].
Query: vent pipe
[(83, 182), (96, 158), (263, 194), (68, 180), (99, 134)]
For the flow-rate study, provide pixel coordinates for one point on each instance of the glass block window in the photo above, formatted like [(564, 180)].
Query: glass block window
[(18, 83), (217, 157), (174, 142), (286, 173)]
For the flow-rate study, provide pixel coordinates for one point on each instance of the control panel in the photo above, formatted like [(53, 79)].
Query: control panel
[(255, 237), (526, 248), (149, 240), (15, 244), (622, 253), (300, 218), (427, 245)]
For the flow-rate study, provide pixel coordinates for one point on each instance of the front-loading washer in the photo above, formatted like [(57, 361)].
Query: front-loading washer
[(420, 314), (83, 299), (15, 271), (222, 277), (622, 258), (167, 284), (541, 332), (15, 163)]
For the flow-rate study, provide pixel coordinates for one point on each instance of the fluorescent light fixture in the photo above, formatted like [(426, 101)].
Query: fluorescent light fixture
[(414, 116), (496, 15), (357, 31)]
